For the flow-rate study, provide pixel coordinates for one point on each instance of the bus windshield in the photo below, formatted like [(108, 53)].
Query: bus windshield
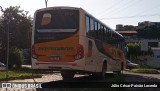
[(55, 25)]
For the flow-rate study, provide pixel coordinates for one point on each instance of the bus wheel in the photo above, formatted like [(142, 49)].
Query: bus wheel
[(119, 72), (101, 75), (122, 67), (104, 69), (67, 75)]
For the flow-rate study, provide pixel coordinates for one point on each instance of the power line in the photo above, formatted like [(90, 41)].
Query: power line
[(126, 6), (114, 6), (125, 17), (150, 9), (137, 16), (111, 6), (119, 7)]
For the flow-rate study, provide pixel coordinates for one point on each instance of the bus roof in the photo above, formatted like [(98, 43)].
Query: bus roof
[(59, 7)]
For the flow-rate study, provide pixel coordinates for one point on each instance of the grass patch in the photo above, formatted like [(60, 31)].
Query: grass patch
[(22, 73), (145, 70), (22, 69)]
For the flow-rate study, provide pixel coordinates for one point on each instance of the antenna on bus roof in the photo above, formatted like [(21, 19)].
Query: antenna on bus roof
[(46, 1)]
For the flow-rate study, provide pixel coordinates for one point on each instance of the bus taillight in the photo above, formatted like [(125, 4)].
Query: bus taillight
[(33, 52), (80, 52)]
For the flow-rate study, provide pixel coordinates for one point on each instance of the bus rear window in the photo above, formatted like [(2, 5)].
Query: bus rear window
[(57, 19)]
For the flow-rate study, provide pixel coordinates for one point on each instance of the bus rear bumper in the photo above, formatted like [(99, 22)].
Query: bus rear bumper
[(58, 66)]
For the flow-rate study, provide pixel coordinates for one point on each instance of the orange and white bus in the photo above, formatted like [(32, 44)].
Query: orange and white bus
[(70, 40)]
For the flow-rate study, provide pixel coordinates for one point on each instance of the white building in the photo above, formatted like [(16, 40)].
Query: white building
[(151, 60)]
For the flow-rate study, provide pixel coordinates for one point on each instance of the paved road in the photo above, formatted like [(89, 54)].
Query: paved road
[(139, 77), (128, 77), (55, 80)]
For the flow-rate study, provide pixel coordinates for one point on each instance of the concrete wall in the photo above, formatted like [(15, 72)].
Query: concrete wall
[(152, 60)]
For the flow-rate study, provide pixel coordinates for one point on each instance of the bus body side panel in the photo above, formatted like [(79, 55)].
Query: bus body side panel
[(116, 55), (106, 52), (92, 57), (96, 52), (83, 40), (91, 54)]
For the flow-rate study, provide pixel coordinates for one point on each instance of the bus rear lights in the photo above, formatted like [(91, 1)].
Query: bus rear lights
[(33, 52), (33, 49), (78, 56), (74, 64), (34, 56), (80, 52)]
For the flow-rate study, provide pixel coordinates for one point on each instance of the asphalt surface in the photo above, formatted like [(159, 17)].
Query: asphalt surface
[(54, 82)]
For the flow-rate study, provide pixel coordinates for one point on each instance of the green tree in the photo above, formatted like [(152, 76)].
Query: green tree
[(19, 24), (134, 50), (16, 58), (150, 32)]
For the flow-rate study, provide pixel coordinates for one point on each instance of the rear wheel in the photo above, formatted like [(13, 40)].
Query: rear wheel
[(104, 69), (122, 68), (102, 75), (67, 74)]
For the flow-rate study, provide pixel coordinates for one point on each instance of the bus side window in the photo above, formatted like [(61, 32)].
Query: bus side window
[(102, 33), (114, 40), (87, 25), (96, 29), (91, 31), (99, 27), (111, 34), (105, 34)]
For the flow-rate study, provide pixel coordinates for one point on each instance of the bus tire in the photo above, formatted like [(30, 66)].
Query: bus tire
[(122, 68), (104, 69), (67, 75), (102, 75)]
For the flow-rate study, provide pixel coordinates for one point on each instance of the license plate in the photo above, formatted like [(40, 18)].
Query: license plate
[(55, 58)]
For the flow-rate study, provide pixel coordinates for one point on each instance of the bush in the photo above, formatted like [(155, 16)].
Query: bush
[(16, 58), (13, 75), (27, 56)]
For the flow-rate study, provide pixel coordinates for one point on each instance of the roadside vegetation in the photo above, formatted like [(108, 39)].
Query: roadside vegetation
[(18, 23), (145, 70), (22, 73)]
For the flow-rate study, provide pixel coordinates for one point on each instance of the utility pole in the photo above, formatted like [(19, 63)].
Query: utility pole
[(8, 45), (46, 2), (7, 49), (7, 52)]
